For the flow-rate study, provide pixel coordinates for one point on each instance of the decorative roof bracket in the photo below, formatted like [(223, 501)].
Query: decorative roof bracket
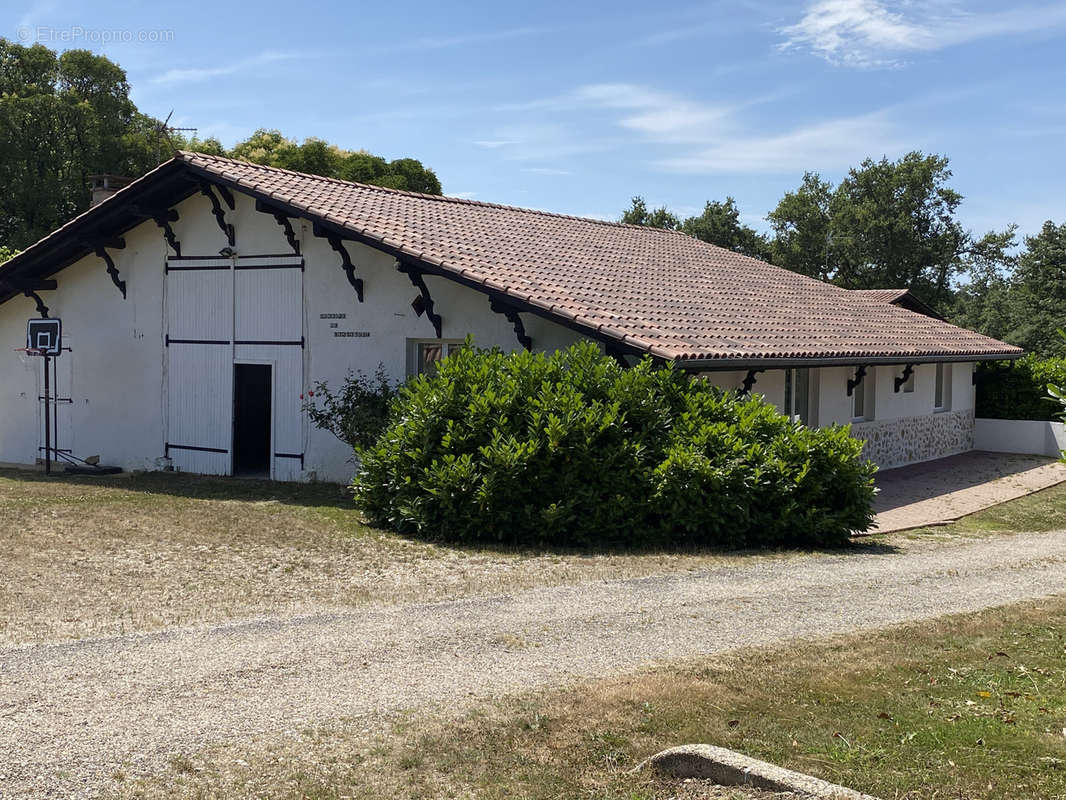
[(42, 309), (908, 370), (30, 289), (283, 220), (163, 220), (860, 373), (511, 313), (337, 243), (749, 381), (423, 304), (216, 209), (99, 247)]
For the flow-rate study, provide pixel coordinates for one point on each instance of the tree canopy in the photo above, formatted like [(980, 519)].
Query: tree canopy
[(66, 116), (318, 157), (719, 224), (887, 224)]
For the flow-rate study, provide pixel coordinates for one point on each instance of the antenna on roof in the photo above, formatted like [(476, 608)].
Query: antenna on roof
[(164, 129)]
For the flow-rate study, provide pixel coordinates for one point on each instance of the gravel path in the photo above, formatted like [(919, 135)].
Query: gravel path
[(72, 713)]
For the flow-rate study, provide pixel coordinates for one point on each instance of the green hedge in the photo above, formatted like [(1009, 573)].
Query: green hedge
[(570, 449), (1019, 392)]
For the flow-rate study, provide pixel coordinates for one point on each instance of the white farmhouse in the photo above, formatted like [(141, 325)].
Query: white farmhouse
[(201, 301)]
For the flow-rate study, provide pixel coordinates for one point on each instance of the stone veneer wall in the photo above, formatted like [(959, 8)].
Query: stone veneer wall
[(895, 442)]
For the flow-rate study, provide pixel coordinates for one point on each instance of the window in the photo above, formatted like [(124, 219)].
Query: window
[(797, 394), (942, 393), (862, 396), (423, 354)]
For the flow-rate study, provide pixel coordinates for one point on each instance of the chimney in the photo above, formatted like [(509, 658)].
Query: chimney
[(103, 186)]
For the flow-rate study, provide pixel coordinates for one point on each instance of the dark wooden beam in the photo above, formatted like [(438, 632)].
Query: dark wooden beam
[(424, 302), (749, 380), (112, 271), (283, 220), (227, 195), (42, 309), (337, 243), (511, 313), (219, 214), (853, 383), (908, 370)]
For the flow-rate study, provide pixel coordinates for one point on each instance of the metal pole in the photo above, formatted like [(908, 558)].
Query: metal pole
[(47, 419), (55, 409)]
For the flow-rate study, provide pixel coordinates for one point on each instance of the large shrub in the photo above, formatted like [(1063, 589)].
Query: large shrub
[(571, 449), (1020, 391)]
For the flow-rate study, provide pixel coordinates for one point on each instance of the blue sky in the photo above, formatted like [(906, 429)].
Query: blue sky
[(576, 106)]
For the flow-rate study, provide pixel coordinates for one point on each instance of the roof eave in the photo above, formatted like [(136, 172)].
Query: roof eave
[(741, 363)]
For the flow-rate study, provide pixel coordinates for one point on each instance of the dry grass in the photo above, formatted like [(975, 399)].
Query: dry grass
[(84, 557), (966, 708)]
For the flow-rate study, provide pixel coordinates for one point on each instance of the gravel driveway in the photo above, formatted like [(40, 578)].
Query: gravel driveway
[(71, 714)]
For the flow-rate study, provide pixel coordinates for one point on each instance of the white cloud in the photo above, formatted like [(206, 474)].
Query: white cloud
[(440, 42), (873, 33), (462, 195), (830, 145), (197, 74), (494, 144), (546, 171)]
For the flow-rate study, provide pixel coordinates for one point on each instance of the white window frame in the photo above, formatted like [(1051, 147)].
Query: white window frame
[(793, 410), (942, 387), (415, 348), (862, 396)]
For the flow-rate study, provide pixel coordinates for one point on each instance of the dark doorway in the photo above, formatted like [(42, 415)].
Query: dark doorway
[(252, 389)]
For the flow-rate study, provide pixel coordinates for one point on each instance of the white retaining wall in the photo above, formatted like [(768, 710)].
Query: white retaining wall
[(1020, 436)]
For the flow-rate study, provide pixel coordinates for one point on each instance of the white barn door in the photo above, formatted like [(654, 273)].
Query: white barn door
[(268, 303), (221, 314), (200, 365)]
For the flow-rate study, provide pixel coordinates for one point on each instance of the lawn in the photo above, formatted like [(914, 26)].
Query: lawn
[(89, 556), (969, 707), (98, 556)]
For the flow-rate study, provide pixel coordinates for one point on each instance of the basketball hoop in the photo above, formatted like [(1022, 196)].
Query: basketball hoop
[(25, 353)]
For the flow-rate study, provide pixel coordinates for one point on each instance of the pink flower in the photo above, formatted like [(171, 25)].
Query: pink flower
[(301, 397)]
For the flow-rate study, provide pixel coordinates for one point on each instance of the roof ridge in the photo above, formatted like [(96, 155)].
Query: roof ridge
[(186, 155)]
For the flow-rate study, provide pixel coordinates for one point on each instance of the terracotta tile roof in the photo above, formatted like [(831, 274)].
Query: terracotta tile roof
[(662, 291), (658, 291), (880, 295)]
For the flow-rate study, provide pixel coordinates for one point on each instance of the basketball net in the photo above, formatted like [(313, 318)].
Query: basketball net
[(27, 353)]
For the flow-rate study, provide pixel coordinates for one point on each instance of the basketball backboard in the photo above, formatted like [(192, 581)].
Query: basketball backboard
[(45, 335)]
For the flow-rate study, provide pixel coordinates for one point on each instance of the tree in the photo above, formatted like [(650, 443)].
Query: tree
[(64, 117), (889, 224), (983, 303), (1036, 299), (638, 214), (718, 224), (801, 226), (318, 157)]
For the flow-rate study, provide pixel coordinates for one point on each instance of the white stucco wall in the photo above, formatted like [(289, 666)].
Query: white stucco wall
[(118, 363)]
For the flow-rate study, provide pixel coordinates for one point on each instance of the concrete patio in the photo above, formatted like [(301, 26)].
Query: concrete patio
[(941, 491)]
